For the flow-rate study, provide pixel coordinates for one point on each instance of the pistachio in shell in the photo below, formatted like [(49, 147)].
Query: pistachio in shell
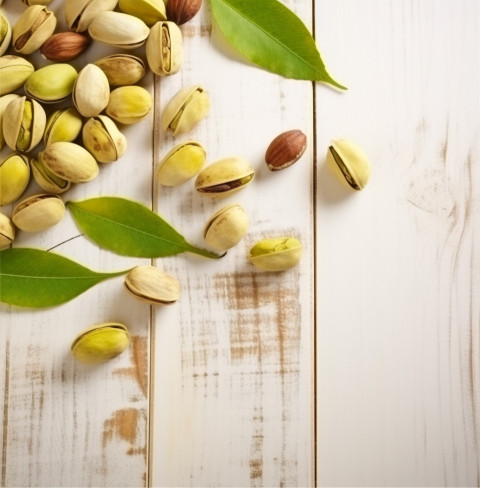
[(129, 104), (5, 34), (103, 140), (276, 254), (52, 83), (38, 212), (37, 2), (80, 13), (164, 48), (122, 69), (46, 180), (14, 71), (14, 177), (4, 101), (7, 232), (91, 91), (63, 125), (152, 285), (150, 11)]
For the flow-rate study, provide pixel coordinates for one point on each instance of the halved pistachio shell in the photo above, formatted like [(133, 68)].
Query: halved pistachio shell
[(165, 48), (100, 343), (14, 177), (129, 104), (226, 227), (122, 69), (186, 109), (46, 180), (276, 254), (52, 83), (183, 162), (150, 11), (5, 34), (152, 285), (103, 139), (7, 232), (4, 101), (119, 30), (23, 124), (63, 125), (91, 91), (349, 163), (14, 71), (38, 212), (33, 28), (224, 177), (80, 13)]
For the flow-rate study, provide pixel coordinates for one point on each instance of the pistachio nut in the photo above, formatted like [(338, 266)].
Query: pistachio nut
[(224, 177), (5, 34), (181, 11), (80, 13), (69, 161), (226, 227), (46, 180), (64, 46), (33, 28), (150, 11), (23, 124), (63, 125), (129, 104), (91, 91), (164, 48), (4, 101), (7, 232), (150, 284), (122, 69), (38, 212), (103, 139), (349, 163), (119, 30), (52, 83), (37, 2), (183, 162), (276, 254), (14, 177), (14, 71), (186, 109), (100, 343)]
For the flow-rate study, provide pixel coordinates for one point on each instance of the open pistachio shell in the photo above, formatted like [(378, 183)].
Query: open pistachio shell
[(46, 180), (276, 254), (52, 83), (7, 232), (14, 71), (14, 177), (150, 11), (122, 69), (164, 48), (63, 125), (91, 91), (5, 34), (38, 212), (4, 101), (103, 140), (129, 104), (151, 285), (80, 13)]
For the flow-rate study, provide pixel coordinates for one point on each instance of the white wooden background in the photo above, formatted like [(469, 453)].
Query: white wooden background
[(360, 367)]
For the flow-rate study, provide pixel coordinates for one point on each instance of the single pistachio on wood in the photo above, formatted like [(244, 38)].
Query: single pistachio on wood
[(23, 124), (129, 104), (150, 11), (91, 91), (286, 149), (33, 28), (349, 163), (46, 180), (64, 46), (63, 125), (14, 177), (183, 162), (119, 30), (186, 109), (224, 177), (100, 343), (7, 232), (4, 101), (52, 83), (38, 212), (80, 13), (69, 161), (164, 48), (276, 254), (103, 140), (37, 2), (151, 285), (5, 34), (226, 227), (14, 71), (122, 69), (181, 11)]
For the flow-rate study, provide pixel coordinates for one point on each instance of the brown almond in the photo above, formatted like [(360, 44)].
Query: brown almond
[(64, 46), (285, 149), (181, 11)]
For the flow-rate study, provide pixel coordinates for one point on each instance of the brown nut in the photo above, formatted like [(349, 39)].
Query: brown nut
[(181, 11), (64, 46), (286, 149)]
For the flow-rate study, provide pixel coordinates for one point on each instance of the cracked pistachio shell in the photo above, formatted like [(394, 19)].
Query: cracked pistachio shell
[(349, 163), (63, 125), (122, 69), (129, 104), (165, 48), (103, 140), (276, 254), (185, 110), (91, 91), (4, 101), (80, 13), (52, 83), (183, 162), (119, 30), (100, 343), (7, 232), (46, 180), (14, 71), (226, 227), (38, 212), (14, 177), (150, 284), (224, 177), (33, 28), (69, 161), (150, 11), (23, 124), (5, 34)]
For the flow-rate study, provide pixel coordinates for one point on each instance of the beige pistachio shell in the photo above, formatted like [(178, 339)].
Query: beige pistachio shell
[(52, 83), (14, 71), (63, 125), (186, 109), (122, 69), (80, 13), (276, 254), (103, 140), (226, 227), (100, 343), (4, 101), (5, 34), (165, 48), (7, 232), (14, 177), (91, 91), (46, 180), (150, 11), (38, 212), (129, 104), (152, 285), (224, 177), (37, 2)]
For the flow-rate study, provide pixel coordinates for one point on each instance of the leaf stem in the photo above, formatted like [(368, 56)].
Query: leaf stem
[(203, 252)]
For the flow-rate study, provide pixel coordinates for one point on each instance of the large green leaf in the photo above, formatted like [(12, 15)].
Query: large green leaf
[(35, 278), (130, 229), (272, 36)]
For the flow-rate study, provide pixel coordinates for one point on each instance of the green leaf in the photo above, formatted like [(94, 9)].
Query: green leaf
[(35, 278), (130, 229), (272, 36)]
